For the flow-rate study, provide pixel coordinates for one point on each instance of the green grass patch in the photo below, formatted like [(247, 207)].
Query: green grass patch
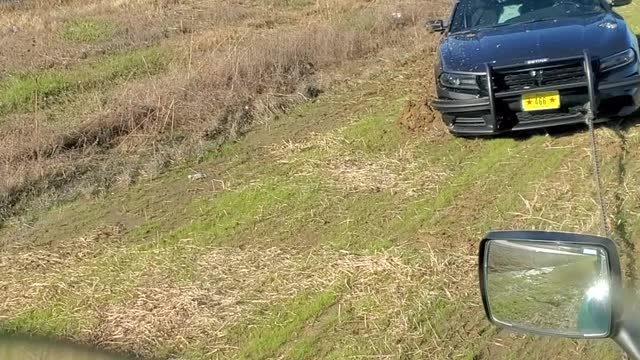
[(376, 134), (502, 193), (58, 319), (88, 30), (465, 175), (25, 91), (226, 150), (223, 217), (359, 221), (319, 338), (304, 348), (220, 220), (284, 325), (439, 318), (294, 4)]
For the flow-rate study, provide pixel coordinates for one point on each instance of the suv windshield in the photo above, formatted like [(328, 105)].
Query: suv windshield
[(477, 14)]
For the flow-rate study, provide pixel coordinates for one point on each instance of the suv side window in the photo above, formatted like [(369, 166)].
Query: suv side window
[(457, 19), (509, 12), (471, 14)]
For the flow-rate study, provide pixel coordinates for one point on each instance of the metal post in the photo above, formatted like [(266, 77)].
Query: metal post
[(492, 100)]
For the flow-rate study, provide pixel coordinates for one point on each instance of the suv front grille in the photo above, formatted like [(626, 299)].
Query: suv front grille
[(523, 79)]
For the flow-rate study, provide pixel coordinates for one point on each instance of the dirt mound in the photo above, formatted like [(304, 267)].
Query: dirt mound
[(418, 116)]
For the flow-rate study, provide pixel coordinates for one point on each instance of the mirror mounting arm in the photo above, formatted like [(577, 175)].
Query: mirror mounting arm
[(627, 337)]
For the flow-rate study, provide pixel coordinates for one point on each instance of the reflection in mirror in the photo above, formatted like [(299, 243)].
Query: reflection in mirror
[(556, 288)]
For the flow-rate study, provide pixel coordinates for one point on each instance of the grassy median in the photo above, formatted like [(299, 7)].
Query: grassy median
[(330, 230)]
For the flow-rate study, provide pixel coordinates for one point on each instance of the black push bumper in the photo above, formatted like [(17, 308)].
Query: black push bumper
[(499, 111)]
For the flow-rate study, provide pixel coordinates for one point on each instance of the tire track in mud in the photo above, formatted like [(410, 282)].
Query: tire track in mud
[(620, 226)]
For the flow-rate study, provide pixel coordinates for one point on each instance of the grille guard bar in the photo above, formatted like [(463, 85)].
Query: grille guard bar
[(591, 84)]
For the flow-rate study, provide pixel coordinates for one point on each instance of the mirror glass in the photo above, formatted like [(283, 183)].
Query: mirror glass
[(555, 288)]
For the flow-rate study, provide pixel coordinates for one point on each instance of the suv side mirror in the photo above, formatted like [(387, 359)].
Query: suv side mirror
[(558, 284), (436, 26), (615, 3), (549, 283)]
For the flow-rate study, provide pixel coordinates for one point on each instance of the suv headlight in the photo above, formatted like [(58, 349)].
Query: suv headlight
[(618, 60), (459, 81)]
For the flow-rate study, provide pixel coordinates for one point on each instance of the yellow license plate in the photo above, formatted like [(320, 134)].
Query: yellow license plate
[(541, 101)]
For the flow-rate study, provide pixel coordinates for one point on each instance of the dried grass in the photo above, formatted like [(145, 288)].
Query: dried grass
[(221, 85), (30, 272), (215, 91), (400, 172), (232, 285), (571, 189)]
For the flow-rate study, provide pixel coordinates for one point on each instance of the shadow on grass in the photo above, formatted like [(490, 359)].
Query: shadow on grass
[(559, 131), (24, 346), (617, 124)]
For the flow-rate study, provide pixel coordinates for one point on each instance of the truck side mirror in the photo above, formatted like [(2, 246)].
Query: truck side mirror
[(616, 3), (435, 26), (550, 283)]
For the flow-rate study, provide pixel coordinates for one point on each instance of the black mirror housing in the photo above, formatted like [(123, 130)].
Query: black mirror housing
[(616, 3), (435, 26), (526, 264)]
